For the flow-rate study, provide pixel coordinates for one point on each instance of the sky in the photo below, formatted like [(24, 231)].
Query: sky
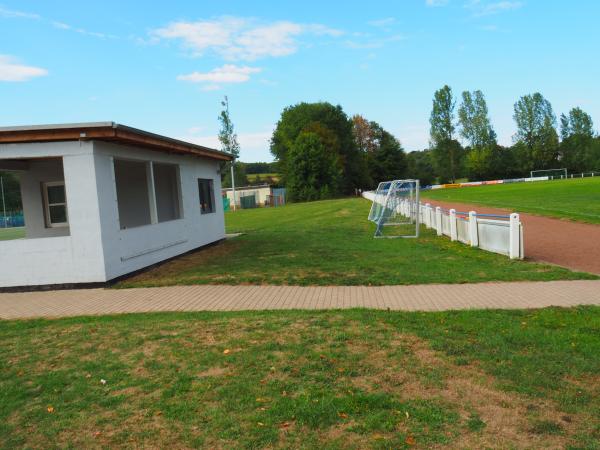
[(165, 66)]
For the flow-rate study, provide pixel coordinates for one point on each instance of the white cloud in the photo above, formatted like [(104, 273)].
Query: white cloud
[(234, 38), (12, 70), (11, 14), (436, 2), (228, 73), (484, 8)]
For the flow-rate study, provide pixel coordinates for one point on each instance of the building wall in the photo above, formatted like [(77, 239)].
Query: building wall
[(40, 171), (96, 249), (127, 250), (43, 258), (261, 193)]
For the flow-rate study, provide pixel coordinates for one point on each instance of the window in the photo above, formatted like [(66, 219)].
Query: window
[(166, 191), (207, 196), (132, 193), (55, 204)]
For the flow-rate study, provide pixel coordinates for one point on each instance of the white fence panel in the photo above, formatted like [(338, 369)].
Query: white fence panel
[(498, 234)]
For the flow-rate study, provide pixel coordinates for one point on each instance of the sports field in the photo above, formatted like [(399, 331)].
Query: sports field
[(12, 233), (575, 199), (331, 243)]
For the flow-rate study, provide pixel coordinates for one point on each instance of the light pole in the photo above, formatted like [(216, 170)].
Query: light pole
[(233, 182)]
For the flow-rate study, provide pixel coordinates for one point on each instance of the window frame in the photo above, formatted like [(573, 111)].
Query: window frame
[(47, 204), (211, 193)]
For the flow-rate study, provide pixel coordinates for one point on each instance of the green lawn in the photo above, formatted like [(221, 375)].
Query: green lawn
[(576, 199), (300, 379), (331, 243), (12, 233)]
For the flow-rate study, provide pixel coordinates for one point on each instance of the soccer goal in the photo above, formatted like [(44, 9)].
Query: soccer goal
[(550, 173), (396, 209)]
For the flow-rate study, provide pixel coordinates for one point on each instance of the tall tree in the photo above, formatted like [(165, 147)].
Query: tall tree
[(476, 129), (536, 137), (304, 117), (446, 150), (229, 144), (442, 116), (475, 125), (227, 135), (577, 134), (314, 171)]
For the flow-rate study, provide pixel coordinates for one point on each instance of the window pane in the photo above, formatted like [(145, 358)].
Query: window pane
[(56, 194), (207, 197), (132, 193), (58, 214), (166, 189)]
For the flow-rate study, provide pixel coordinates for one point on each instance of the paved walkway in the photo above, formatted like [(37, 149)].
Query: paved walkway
[(235, 298)]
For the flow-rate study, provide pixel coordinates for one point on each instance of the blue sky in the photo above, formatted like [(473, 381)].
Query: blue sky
[(165, 66)]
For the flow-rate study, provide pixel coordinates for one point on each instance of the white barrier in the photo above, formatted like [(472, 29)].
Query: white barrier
[(490, 232)]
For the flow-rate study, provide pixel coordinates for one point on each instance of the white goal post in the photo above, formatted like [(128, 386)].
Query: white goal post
[(563, 173), (396, 209)]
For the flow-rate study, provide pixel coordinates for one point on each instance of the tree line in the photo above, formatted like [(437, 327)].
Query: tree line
[(321, 152), (537, 143)]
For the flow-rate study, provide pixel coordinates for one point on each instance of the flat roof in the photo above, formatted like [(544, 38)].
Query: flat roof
[(106, 131)]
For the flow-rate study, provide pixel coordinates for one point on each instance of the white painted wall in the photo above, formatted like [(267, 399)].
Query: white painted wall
[(135, 248), (96, 249), (76, 258)]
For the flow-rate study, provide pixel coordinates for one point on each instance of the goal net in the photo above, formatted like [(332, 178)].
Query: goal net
[(396, 209), (552, 174)]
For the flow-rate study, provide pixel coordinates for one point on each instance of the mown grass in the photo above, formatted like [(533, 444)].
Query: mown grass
[(576, 199), (12, 233), (255, 177), (300, 379), (331, 243)]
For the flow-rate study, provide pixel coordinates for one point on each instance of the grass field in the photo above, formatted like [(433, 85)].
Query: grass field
[(576, 199), (12, 233), (254, 177), (331, 243), (351, 379)]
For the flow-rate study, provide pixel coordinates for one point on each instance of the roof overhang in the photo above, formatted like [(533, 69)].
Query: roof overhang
[(106, 131)]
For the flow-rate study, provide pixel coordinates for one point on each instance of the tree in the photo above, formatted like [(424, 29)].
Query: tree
[(419, 165), (304, 117), (577, 134), (364, 135), (386, 160), (314, 171), (536, 137), (446, 150), (229, 144), (442, 116), (227, 135), (476, 129), (447, 156)]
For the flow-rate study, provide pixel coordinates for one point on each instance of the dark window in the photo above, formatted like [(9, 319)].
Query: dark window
[(207, 196), (131, 178), (166, 191)]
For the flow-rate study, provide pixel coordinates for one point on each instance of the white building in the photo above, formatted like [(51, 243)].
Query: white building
[(102, 200), (262, 194)]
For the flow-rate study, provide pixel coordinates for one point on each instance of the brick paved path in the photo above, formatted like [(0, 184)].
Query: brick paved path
[(236, 298)]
